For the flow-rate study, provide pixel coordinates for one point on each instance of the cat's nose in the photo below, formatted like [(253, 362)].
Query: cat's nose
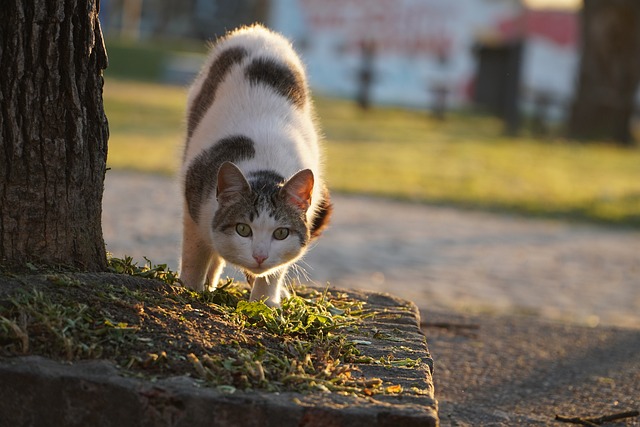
[(259, 258)]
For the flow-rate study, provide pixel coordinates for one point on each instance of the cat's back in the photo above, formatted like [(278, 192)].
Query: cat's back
[(250, 106), (252, 79)]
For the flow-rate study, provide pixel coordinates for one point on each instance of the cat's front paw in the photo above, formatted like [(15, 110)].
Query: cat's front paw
[(269, 300), (268, 290)]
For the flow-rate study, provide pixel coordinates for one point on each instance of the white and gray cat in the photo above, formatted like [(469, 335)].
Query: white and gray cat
[(252, 170)]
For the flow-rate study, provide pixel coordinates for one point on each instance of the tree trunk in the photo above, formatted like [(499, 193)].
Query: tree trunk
[(53, 133), (609, 71)]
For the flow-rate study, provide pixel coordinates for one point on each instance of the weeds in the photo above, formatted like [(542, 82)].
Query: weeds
[(308, 356), (299, 316), (158, 327), (148, 271), (70, 330), (307, 351)]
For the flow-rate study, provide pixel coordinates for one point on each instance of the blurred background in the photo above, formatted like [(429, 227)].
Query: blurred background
[(509, 57), (500, 134)]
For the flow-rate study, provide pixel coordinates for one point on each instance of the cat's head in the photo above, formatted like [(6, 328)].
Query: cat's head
[(261, 226)]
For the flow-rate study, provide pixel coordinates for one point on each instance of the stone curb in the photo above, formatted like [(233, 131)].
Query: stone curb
[(35, 391)]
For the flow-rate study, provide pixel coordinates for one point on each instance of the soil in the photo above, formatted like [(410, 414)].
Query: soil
[(162, 319), (155, 329)]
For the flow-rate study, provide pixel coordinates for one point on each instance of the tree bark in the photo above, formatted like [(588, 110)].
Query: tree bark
[(53, 133), (609, 71)]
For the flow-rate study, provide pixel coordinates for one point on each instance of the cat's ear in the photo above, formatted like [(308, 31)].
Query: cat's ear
[(298, 188), (231, 182)]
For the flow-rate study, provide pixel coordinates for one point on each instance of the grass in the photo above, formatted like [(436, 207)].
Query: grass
[(33, 318), (466, 161), (157, 329), (145, 125), (146, 60), (463, 161)]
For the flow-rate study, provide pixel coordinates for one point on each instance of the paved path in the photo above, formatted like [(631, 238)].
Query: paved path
[(522, 371), (440, 258)]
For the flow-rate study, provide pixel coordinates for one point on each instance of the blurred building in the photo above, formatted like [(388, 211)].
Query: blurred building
[(194, 19), (493, 53), (425, 46)]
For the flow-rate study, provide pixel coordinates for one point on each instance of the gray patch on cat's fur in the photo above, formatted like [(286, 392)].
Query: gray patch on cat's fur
[(265, 180), (323, 214), (284, 79), (217, 72), (265, 185), (202, 175)]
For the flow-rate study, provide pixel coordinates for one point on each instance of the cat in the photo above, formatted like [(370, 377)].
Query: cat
[(252, 173)]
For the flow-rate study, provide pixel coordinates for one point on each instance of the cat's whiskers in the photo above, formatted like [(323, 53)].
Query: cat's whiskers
[(299, 272)]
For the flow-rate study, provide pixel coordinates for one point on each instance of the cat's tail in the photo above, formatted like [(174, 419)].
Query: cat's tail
[(323, 214)]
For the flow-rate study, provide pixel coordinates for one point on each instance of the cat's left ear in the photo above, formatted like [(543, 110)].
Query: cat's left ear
[(231, 183), (298, 188)]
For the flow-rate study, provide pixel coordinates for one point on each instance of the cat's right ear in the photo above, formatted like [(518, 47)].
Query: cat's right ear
[(298, 189), (231, 183)]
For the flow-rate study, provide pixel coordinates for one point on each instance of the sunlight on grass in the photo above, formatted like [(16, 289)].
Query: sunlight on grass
[(145, 125), (465, 160)]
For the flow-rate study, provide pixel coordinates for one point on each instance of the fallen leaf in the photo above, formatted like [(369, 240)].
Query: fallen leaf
[(394, 389)]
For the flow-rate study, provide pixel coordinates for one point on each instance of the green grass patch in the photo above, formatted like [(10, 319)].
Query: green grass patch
[(463, 161), (132, 60), (146, 61), (145, 125), (157, 328)]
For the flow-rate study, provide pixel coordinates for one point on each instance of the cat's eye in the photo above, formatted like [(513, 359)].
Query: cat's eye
[(243, 230), (281, 233)]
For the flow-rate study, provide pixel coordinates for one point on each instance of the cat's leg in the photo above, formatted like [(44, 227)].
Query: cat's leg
[(213, 274), (197, 255), (270, 289)]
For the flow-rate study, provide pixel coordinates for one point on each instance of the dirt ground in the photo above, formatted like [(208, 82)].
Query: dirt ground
[(155, 330), (141, 324)]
